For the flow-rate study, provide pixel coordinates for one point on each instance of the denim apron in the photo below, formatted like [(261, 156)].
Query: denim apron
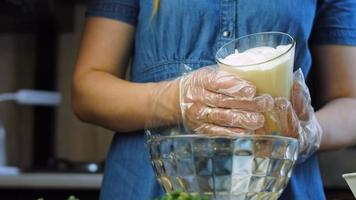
[(190, 32)]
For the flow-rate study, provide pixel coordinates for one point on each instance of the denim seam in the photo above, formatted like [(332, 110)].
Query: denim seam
[(113, 7), (166, 62), (115, 10), (160, 67), (347, 37), (336, 32)]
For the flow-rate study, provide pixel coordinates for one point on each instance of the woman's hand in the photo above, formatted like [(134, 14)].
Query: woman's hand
[(297, 117), (215, 102)]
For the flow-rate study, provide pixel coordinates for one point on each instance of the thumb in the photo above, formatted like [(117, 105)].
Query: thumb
[(300, 97)]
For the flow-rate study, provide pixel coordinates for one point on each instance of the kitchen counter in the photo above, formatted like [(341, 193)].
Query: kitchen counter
[(51, 181)]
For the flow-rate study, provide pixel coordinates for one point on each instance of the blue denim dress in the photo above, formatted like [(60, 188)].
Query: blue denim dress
[(190, 32)]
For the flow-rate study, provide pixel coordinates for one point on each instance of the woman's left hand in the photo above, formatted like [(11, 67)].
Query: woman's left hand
[(297, 117)]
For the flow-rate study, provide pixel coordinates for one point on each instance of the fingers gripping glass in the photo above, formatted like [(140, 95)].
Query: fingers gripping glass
[(267, 60)]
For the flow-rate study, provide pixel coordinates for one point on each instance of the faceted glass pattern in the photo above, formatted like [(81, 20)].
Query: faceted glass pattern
[(224, 168)]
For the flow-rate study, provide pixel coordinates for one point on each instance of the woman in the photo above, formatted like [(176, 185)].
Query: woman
[(157, 36)]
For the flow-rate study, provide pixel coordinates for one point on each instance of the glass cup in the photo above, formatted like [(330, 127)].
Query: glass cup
[(271, 73)]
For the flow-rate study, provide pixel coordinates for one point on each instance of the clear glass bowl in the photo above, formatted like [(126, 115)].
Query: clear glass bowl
[(231, 168)]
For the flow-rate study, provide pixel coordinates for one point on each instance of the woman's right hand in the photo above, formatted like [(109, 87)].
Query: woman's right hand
[(215, 102)]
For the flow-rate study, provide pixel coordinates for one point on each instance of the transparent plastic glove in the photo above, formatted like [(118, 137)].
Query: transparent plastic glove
[(215, 102), (297, 118)]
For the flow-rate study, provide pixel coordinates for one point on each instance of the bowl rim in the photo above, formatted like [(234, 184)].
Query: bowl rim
[(349, 175), (255, 137)]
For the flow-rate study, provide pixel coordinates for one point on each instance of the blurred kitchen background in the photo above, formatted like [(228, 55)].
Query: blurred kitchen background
[(55, 153), (39, 40)]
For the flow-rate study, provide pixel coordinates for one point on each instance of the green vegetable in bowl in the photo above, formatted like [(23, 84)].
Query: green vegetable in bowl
[(69, 198), (72, 198), (178, 195)]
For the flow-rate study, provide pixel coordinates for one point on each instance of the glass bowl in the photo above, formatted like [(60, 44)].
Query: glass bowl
[(224, 168)]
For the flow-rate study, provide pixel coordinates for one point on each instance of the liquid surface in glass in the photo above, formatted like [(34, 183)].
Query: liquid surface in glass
[(273, 72)]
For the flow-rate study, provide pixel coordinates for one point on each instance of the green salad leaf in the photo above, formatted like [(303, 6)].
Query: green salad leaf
[(71, 197), (179, 195)]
